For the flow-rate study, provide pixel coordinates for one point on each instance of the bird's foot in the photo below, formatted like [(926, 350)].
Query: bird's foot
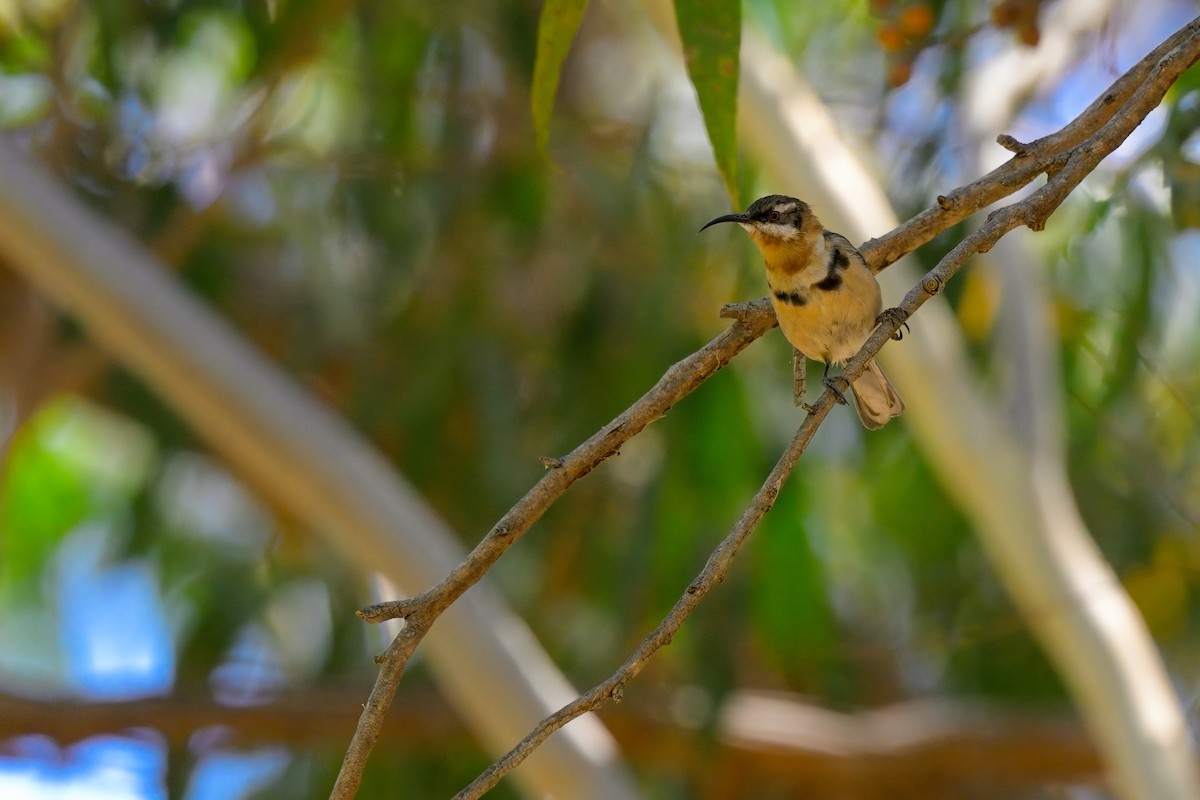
[(897, 315), (838, 385)]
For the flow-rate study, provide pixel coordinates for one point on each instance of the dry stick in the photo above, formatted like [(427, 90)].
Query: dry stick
[(755, 318), (678, 382), (1032, 212), (421, 611), (715, 570), (1044, 155), (1103, 107), (799, 377)]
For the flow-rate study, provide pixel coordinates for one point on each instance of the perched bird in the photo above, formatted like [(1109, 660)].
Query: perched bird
[(825, 296)]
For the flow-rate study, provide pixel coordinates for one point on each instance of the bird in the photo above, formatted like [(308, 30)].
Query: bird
[(825, 296)]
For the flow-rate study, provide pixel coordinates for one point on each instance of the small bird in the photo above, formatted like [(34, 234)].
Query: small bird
[(825, 296)]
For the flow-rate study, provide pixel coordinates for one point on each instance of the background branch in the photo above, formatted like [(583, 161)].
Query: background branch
[(904, 751), (302, 456)]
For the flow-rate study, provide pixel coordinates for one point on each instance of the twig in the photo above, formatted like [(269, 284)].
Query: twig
[(1091, 137), (715, 570), (421, 611), (799, 377), (1044, 155), (1034, 210), (1031, 212)]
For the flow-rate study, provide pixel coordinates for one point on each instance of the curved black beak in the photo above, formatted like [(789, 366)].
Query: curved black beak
[(727, 218)]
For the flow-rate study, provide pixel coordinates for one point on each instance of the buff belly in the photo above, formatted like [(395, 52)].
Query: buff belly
[(831, 332)]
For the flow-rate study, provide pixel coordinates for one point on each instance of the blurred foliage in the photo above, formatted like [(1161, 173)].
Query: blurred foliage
[(359, 189)]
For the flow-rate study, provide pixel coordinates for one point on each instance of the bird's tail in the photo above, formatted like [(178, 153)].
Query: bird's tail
[(875, 398)]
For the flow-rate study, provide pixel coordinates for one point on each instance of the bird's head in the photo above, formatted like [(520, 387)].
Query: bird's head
[(775, 220)]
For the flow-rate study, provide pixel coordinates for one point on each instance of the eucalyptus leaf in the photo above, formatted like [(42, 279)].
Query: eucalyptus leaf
[(711, 31), (557, 27)]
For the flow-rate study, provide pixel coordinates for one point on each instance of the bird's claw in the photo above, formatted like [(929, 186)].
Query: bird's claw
[(838, 386), (809, 408), (898, 316)]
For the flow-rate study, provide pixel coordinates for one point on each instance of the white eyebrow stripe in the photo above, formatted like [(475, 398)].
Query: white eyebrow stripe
[(780, 231)]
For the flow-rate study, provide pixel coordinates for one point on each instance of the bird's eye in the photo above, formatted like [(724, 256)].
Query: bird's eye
[(772, 216)]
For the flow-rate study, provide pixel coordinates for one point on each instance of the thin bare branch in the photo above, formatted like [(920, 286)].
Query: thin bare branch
[(1066, 157), (799, 377), (715, 570), (420, 612), (1032, 212)]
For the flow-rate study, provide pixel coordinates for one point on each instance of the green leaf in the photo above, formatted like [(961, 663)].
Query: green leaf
[(556, 29), (42, 497), (70, 462), (711, 31)]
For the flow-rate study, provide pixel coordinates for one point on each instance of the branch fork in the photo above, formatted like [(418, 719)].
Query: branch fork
[(1066, 157)]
